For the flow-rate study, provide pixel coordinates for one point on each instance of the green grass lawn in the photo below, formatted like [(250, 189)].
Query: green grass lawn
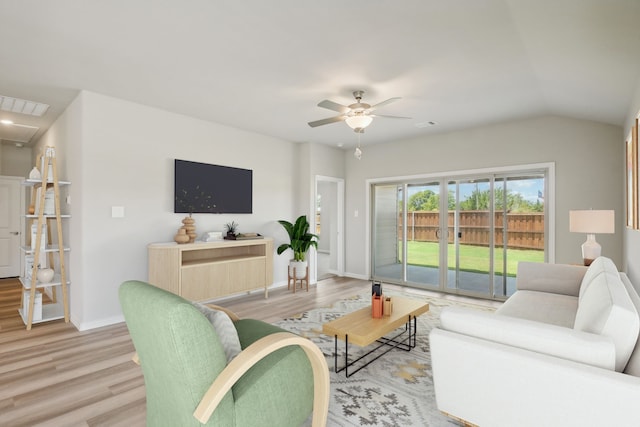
[(472, 258)]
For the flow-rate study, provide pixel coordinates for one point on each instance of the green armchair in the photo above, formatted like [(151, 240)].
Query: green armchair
[(278, 379)]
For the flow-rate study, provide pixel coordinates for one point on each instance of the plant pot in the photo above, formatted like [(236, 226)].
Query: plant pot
[(300, 269)]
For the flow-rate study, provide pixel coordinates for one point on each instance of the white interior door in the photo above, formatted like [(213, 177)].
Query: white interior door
[(329, 220), (10, 209)]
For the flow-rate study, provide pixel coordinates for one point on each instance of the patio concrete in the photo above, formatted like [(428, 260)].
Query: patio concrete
[(428, 278)]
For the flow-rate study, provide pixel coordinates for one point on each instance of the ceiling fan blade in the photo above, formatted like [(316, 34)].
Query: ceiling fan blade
[(334, 106), (390, 117), (327, 121), (383, 103)]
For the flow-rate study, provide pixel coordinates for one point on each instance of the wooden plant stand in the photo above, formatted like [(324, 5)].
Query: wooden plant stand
[(293, 280)]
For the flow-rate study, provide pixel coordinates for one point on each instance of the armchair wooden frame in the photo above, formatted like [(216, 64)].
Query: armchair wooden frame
[(256, 352), (252, 355)]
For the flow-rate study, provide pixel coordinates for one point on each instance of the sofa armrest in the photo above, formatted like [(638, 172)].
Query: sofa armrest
[(469, 374), (558, 341), (555, 278)]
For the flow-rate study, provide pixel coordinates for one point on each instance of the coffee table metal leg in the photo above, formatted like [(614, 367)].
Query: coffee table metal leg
[(346, 356), (335, 354)]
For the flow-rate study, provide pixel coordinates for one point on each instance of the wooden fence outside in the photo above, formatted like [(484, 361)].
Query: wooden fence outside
[(524, 230)]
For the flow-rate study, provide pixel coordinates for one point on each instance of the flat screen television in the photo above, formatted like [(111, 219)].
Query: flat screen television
[(205, 188)]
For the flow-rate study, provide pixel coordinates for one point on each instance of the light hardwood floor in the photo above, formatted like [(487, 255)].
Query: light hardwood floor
[(55, 375)]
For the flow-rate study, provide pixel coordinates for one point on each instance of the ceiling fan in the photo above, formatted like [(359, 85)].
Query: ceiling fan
[(357, 115)]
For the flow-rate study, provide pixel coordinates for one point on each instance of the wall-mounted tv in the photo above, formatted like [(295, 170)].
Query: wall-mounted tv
[(205, 188)]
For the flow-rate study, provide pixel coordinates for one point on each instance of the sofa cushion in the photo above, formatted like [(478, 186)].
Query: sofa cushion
[(552, 278), (605, 308), (544, 338), (633, 365), (598, 266), (554, 309)]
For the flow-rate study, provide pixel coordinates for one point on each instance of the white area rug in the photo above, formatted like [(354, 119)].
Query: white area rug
[(395, 390)]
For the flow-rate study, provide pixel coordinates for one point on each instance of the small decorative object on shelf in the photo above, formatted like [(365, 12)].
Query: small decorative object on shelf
[(376, 306), (376, 288), (35, 174), (231, 228), (181, 237), (45, 275), (37, 304), (377, 299), (387, 307), (190, 227), (212, 236)]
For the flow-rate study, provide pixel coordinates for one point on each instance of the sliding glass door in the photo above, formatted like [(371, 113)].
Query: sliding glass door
[(423, 234), (469, 259), (463, 234), (388, 242)]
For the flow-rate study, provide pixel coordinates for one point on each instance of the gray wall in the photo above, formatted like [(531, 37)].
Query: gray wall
[(15, 161), (587, 155)]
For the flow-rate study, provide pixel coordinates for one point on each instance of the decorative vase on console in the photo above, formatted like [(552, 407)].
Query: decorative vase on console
[(189, 226), (181, 237)]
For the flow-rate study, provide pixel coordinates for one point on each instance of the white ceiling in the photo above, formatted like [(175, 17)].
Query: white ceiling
[(264, 65)]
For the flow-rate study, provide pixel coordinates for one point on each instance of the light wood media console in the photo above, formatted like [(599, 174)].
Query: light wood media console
[(203, 271)]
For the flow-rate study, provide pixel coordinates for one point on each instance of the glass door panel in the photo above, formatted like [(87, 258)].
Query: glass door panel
[(469, 255), (423, 234), (520, 228), (500, 237), (388, 242)]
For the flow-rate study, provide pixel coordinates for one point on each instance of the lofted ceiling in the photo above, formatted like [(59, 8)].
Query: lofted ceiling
[(264, 66)]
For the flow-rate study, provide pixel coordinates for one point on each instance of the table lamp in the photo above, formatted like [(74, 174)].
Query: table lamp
[(591, 222)]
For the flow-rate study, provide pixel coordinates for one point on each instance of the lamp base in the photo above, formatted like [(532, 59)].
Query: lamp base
[(590, 249)]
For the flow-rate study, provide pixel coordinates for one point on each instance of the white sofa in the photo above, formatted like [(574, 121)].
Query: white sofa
[(562, 351)]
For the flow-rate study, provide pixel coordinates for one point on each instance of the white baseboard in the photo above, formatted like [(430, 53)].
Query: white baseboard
[(357, 276), (85, 326)]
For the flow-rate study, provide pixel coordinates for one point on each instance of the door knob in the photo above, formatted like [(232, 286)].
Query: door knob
[(15, 233)]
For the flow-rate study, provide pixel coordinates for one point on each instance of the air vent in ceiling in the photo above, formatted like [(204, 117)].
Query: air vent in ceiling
[(22, 106)]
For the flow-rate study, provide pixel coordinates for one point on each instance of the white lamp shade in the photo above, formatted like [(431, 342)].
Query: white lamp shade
[(358, 121), (592, 221)]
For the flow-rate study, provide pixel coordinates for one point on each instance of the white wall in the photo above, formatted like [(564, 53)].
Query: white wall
[(589, 173), (121, 154)]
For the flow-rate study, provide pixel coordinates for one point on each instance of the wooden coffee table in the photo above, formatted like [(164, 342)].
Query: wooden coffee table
[(361, 329)]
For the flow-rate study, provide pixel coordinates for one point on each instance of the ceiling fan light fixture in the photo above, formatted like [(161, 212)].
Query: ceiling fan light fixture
[(359, 121)]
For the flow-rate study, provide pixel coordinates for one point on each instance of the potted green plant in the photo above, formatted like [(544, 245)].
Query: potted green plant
[(300, 240), (231, 228)]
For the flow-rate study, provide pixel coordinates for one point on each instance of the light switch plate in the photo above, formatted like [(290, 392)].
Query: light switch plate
[(117, 211)]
